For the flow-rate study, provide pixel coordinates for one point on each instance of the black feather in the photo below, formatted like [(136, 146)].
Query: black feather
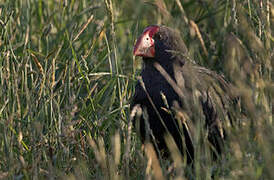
[(175, 93)]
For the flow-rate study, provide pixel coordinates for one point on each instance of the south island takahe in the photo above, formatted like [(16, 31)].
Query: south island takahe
[(174, 95)]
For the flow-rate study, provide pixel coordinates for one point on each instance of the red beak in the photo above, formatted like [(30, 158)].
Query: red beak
[(136, 50)]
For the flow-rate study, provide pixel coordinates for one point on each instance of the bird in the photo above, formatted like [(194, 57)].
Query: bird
[(174, 94)]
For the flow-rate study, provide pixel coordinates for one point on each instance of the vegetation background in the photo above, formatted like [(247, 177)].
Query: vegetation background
[(67, 75)]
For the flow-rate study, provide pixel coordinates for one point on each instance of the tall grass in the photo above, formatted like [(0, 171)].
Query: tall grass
[(67, 76)]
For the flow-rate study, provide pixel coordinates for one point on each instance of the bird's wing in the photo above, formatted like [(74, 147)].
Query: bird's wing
[(218, 93), (207, 95)]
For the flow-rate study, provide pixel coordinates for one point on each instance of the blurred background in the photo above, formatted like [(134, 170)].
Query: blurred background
[(67, 75)]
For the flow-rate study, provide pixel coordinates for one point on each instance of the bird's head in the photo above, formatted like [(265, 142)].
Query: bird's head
[(158, 41), (144, 46)]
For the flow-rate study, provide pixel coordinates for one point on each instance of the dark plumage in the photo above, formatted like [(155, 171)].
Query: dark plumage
[(175, 94)]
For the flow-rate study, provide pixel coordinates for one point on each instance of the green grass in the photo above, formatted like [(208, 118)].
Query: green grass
[(67, 75)]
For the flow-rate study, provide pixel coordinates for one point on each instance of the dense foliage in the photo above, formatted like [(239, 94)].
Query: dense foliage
[(67, 75)]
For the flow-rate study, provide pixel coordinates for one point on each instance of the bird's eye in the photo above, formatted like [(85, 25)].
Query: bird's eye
[(147, 38)]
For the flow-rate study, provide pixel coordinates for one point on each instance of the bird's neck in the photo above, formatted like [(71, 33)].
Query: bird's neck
[(155, 81), (150, 70), (166, 60)]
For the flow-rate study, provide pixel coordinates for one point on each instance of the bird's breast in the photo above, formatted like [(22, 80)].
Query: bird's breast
[(159, 90)]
